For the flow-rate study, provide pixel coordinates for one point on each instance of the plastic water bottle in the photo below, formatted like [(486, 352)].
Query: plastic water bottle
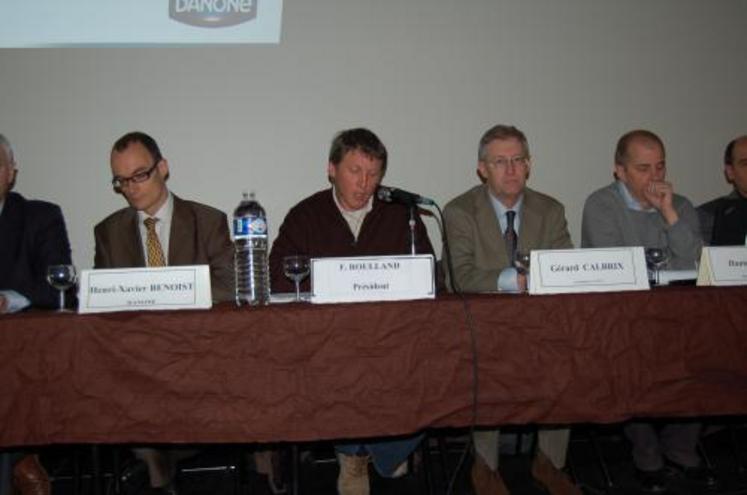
[(250, 241)]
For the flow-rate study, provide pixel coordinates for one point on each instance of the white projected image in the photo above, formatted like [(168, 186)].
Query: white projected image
[(44, 23)]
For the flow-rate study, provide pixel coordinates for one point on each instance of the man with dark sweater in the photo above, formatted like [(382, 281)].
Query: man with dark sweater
[(723, 220), (348, 220)]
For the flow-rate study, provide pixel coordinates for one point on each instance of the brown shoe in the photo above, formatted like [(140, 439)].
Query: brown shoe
[(551, 478), (353, 477), (485, 481), (30, 478)]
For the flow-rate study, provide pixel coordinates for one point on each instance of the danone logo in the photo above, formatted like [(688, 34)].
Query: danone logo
[(213, 13)]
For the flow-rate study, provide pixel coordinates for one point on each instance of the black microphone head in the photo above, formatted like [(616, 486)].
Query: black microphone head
[(384, 194)]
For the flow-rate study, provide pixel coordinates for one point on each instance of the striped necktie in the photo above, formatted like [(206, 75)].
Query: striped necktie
[(153, 245)]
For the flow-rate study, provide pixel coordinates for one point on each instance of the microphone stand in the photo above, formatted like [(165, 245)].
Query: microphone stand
[(412, 229)]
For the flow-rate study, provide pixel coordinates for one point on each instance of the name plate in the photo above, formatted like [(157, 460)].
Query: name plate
[(587, 270), (372, 278), (135, 289), (723, 265)]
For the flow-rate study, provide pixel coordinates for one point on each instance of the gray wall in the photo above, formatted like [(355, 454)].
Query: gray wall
[(429, 76)]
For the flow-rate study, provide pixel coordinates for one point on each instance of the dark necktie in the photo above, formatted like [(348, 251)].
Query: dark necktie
[(510, 237)]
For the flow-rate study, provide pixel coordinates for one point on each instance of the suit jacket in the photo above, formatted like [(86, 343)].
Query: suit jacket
[(723, 221), (199, 236), (476, 242), (32, 237)]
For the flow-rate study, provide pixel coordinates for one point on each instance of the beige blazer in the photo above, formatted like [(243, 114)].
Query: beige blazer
[(478, 249)]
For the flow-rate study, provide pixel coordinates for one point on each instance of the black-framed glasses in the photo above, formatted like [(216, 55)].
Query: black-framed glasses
[(120, 182)]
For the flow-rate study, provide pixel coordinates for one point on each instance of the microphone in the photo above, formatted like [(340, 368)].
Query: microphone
[(394, 195)]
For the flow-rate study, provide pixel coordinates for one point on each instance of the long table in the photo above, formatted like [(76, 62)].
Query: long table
[(297, 372)]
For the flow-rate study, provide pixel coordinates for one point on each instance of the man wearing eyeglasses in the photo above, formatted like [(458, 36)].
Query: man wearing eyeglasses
[(486, 227), (160, 229)]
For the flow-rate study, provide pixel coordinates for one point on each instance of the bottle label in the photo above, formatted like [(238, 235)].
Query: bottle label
[(248, 226)]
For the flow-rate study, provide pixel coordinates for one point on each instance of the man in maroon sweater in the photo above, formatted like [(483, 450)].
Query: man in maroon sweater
[(349, 220), (346, 219)]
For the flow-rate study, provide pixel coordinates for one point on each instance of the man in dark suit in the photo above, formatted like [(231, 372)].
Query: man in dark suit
[(160, 229), (724, 220), (486, 226), (32, 237)]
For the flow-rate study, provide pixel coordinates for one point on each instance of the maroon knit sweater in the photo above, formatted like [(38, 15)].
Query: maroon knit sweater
[(315, 227)]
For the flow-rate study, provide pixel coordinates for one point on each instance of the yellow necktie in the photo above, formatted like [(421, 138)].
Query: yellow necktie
[(155, 253)]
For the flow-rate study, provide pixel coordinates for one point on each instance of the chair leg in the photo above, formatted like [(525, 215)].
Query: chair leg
[(736, 452), (704, 455), (238, 474), (443, 454), (77, 482), (295, 469), (96, 468), (608, 482), (425, 463), (116, 466)]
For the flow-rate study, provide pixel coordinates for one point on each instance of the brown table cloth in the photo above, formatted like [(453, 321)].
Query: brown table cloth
[(299, 372)]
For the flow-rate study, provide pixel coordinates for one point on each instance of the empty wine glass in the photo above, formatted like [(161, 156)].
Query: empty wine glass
[(61, 277), (655, 259), (521, 263), (296, 268)]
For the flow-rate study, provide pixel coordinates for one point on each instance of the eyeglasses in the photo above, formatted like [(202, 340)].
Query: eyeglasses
[(503, 162), (120, 182)]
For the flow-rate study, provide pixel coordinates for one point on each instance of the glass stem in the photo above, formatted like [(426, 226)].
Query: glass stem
[(62, 300), (298, 290)]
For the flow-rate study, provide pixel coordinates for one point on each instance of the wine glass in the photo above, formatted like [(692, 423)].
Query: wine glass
[(61, 277), (521, 262), (296, 268), (655, 259)]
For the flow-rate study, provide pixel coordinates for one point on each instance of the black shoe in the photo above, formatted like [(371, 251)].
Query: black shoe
[(169, 489), (653, 482), (700, 475), (133, 478)]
